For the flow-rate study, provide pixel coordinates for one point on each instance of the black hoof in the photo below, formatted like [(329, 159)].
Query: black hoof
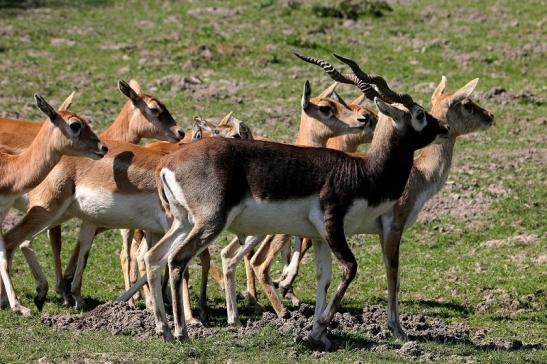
[(39, 302)]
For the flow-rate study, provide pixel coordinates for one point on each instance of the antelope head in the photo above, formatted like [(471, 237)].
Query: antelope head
[(409, 120), (150, 116), (228, 127), (461, 113), (329, 115), (72, 135)]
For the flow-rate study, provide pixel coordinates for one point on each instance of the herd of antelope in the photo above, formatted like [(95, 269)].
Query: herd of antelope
[(172, 198)]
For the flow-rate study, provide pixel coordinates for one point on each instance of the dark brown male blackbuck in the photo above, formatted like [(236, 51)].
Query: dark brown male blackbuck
[(429, 174), (322, 117), (258, 188)]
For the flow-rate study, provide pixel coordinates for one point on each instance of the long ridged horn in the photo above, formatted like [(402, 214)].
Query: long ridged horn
[(351, 79), (387, 94)]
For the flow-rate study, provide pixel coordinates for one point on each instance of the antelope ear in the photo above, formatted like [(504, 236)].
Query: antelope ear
[(465, 91), (439, 89), (244, 131), (67, 103), (306, 96), (199, 122), (226, 120), (329, 91), (46, 108), (129, 92), (339, 99), (358, 100), (135, 86), (394, 113)]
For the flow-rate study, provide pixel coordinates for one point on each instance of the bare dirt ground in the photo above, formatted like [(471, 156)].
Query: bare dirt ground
[(122, 319)]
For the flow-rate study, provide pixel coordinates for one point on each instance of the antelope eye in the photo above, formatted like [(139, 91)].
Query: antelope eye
[(325, 109), (75, 126), (420, 115), (467, 106), (154, 110), (236, 136)]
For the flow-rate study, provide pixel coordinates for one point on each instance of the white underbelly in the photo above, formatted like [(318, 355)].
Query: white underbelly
[(119, 210), (301, 217), (255, 217), (363, 219)]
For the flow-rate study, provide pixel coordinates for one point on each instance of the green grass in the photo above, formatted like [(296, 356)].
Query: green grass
[(444, 269)]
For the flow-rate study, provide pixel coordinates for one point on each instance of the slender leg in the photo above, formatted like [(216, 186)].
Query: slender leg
[(87, 233), (143, 249), (35, 220), (205, 258), (301, 248), (231, 255), (261, 263), (252, 296), (323, 272), (154, 260), (339, 246), (55, 240), (391, 241), (6, 280), (138, 236), (216, 274), (201, 235), (68, 275), (37, 272), (125, 260)]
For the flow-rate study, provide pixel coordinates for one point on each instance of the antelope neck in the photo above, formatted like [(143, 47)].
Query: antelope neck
[(121, 129), (26, 170)]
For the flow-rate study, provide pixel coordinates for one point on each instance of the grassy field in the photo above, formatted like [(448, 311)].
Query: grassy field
[(483, 264)]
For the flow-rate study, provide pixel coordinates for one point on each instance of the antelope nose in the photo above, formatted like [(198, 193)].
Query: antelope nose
[(445, 130), (180, 133), (104, 148)]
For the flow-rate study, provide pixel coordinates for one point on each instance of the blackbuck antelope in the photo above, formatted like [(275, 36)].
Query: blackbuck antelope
[(427, 177), (272, 244), (321, 118), (64, 134), (141, 116), (258, 188)]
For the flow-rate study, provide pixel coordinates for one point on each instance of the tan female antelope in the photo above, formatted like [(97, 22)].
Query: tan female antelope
[(64, 134), (259, 188), (141, 116), (428, 175)]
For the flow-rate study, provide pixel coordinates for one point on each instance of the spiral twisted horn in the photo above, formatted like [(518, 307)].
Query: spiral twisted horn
[(387, 94), (351, 79)]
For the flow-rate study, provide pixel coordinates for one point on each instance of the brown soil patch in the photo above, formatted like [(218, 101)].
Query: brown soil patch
[(469, 209), (122, 319)]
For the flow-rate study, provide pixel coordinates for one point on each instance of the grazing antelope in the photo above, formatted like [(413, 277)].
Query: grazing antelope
[(427, 177), (258, 188), (64, 134), (141, 116)]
